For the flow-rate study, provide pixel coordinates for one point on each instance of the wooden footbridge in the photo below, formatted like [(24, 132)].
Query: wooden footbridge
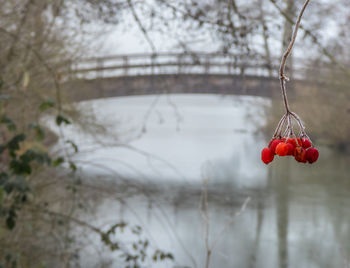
[(140, 74)]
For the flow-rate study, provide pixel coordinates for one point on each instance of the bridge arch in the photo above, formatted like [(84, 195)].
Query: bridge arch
[(140, 74)]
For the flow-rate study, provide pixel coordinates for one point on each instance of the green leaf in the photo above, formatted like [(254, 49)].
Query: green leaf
[(13, 144), (72, 166), (8, 122), (11, 219), (20, 167), (10, 223), (58, 161), (137, 230), (75, 147), (61, 119), (39, 157), (170, 256), (28, 156), (46, 105), (24, 198)]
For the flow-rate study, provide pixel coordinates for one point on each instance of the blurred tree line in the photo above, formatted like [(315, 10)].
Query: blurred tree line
[(40, 191), (34, 39)]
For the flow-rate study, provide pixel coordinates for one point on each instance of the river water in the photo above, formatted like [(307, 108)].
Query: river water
[(187, 169)]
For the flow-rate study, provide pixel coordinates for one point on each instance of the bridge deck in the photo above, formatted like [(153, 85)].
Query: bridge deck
[(174, 84), (138, 74)]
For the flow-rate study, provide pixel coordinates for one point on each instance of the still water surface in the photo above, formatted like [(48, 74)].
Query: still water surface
[(160, 150)]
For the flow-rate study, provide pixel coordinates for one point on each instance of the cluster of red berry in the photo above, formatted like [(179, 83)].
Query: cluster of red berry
[(300, 148)]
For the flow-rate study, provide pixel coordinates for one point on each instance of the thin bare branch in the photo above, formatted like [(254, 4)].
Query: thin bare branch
[(283, 78), (142, 28)]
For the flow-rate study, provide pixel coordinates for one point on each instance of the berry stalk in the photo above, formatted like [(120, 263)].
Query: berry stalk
[(283, 78), (289, 116)]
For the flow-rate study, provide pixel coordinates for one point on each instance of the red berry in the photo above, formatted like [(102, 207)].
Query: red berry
[(273, 144), (290, 149), (282, 149), (312, 155), (267, 155), (300, 154), (306, 143), (292, 141)]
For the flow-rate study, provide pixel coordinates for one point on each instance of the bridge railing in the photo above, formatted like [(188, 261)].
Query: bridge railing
[(171, 63), (189, 63)]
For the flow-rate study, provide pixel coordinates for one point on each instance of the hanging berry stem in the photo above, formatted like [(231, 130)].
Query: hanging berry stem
[(286, 123), (283, 78)]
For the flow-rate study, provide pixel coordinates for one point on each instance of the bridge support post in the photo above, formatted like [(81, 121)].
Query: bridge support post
[(153, 63), (179, 63), (99, 68), (207, 65), (125, 65)]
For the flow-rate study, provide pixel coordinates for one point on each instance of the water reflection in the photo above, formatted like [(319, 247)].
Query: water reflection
[(298, 215)]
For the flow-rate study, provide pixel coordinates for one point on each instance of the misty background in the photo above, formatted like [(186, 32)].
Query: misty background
[(131, 134)]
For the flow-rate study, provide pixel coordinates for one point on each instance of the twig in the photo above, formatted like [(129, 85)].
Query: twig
[(204, 209), (143, 30), (237, 214), (205, 215), (283, 78)]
